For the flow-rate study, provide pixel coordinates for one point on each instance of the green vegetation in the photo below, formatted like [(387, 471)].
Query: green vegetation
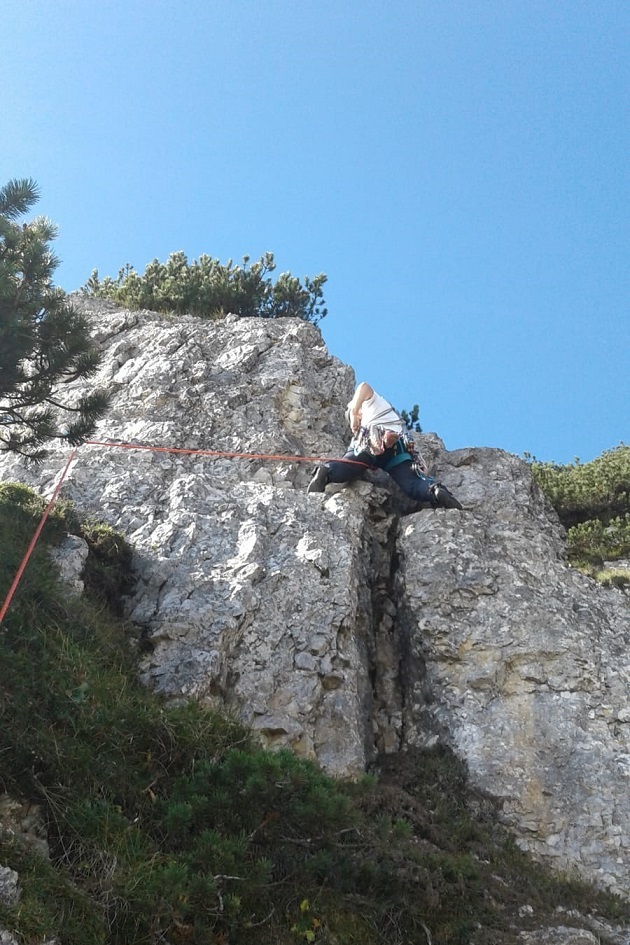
[(593, 502), (208, 289), (172, 825), (411, 418), (43, 342)]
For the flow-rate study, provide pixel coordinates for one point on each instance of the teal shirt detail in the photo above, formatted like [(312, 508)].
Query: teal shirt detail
[(401, 456)]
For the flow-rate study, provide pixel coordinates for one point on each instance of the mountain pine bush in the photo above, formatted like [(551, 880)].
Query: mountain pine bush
[(593, 502), (209, 289)]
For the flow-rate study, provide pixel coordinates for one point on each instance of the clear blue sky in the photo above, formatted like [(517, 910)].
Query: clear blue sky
[(459, 170)]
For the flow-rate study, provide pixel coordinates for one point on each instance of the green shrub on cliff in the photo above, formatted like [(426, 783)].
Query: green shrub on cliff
[(209, 289), (593, 502)]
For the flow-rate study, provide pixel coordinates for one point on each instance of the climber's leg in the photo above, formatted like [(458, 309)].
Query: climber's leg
[(423, 488), (341, 470)]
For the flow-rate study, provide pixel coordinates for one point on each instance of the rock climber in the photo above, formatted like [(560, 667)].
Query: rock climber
[(380, 441)]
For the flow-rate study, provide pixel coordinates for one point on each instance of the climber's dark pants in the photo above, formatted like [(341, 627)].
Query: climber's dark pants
[(414, 485)]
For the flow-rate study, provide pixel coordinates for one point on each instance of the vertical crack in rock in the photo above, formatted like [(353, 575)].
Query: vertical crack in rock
[(395, 669), (384, 640)]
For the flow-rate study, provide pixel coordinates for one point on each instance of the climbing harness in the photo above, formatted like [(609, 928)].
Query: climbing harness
[(374, 440), (418, 462)]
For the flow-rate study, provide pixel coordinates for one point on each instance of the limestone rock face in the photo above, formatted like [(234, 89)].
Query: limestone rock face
[(9, 888), (525, 668), (352, 623), (70, 557)]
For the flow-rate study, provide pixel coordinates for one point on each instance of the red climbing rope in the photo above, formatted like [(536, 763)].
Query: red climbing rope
[(157, 449), (280, 457), (33, 541)]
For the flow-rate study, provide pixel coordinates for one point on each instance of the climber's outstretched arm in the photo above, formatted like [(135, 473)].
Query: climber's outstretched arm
[(361, 394)]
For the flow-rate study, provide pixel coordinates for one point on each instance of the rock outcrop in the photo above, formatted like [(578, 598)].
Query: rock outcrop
[(353, 623), (522, 665)]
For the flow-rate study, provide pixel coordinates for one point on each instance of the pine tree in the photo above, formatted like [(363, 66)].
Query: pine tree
[(44, 343), (411, 418)]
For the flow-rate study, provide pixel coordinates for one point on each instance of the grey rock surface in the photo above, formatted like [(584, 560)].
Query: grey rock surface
[(561, 935), (526, 669), (6, 938), (9, 887), (23, 820), (70, 556), (353, 622)]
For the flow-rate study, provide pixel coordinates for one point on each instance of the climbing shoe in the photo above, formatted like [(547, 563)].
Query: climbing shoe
[(319, 480), (442, 498)]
